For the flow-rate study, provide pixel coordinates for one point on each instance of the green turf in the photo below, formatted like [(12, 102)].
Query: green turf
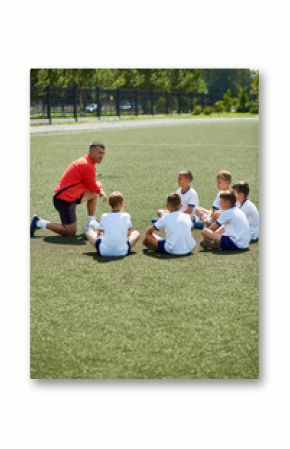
[(147, 315)]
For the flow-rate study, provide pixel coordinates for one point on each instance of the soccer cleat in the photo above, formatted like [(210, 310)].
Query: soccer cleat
[(33, 225), (153, 220), (94, 225)]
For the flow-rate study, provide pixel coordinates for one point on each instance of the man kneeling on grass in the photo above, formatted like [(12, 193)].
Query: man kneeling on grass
[(231, 230), (115, 237), (177, 225)]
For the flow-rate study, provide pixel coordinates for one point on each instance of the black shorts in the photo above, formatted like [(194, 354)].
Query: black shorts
[(66, 210)]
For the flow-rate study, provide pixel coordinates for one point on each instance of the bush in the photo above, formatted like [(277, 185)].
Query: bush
[(197, 110), (220, 106), (254, 109), (207, 110), (243, 100)]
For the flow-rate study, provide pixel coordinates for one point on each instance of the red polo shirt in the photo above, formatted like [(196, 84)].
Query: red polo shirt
[(80, 176)]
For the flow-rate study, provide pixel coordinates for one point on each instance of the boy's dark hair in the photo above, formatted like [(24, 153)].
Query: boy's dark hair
[(186, 173), (229, 195), (174, 200), (225, 175), (242, 187), (95, 144), (116, 199)]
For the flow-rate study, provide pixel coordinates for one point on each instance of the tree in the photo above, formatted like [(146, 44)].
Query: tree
[(243, 98)]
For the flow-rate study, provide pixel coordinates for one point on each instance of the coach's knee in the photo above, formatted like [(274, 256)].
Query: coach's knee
[(70, 231)]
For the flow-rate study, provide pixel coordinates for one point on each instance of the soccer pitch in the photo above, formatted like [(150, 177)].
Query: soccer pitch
[(147, 315)]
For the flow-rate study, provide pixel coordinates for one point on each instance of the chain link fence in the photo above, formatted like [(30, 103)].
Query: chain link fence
[(78, 103)]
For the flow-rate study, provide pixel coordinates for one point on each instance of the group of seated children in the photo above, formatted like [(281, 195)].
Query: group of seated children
[(231, 223)]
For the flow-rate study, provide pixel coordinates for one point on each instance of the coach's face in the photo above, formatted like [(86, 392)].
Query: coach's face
[(97, 154)]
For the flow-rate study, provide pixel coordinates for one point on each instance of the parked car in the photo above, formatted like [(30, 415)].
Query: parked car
[(91, 107), (125, 106)]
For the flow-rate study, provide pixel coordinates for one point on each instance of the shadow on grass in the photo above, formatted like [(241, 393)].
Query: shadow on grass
[(218, 252), (59, 240), (156, 255), (106, 259)]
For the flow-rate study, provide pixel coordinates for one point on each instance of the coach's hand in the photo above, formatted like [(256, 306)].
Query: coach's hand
[(103, 195)]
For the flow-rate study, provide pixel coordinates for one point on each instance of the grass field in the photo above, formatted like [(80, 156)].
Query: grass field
[(147, 315)]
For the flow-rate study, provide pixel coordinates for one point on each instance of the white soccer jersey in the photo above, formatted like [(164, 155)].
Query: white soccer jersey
[(217, 202), (188, 198), (252, 215), (177, 226), (236, 226), (115, 239)]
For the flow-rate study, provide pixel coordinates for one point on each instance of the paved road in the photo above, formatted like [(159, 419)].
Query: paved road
[(131, 124)]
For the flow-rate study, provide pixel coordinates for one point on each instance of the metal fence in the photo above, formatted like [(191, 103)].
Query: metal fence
[(49, 103)]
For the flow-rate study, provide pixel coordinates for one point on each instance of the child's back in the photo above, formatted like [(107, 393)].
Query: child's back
[(177, 226), (252, 215), (115, 240), (236, 226)]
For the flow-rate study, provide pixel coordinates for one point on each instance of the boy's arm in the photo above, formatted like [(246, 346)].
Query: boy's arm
[(214, 226), (150, 230), (189, 210)]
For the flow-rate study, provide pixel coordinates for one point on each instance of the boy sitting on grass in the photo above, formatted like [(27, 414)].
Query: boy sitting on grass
[(242, 191), (223, 181), (189, 197), (115, 237), (177, 225), (231, 230)]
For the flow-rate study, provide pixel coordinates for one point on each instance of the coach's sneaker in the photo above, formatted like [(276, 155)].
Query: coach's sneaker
[(92, 224), (33, 225)]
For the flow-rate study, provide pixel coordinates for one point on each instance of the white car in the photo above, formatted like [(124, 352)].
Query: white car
[(91, 107)]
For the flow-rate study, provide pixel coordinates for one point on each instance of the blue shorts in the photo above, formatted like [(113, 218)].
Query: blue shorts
[(161, 246), (227, 244), (98, 242)]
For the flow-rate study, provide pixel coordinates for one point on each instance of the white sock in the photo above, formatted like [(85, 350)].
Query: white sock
[(91, 218), (42, 223)]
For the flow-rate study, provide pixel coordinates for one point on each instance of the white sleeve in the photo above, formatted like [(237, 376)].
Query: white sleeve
[(159, 224), (192, 199), (223, 218), (216, 203)]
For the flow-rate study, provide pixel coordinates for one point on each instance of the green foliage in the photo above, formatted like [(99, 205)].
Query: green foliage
[(220, 106), (207, 110), (219, 80), (228, 100), (243, 98), (254, 108), (197, 110)]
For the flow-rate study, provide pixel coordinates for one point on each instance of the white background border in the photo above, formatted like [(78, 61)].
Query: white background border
[(156, 414)]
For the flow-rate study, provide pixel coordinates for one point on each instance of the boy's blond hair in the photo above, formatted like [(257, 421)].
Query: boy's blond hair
[(116, 199), (187, 174), (225, 176)]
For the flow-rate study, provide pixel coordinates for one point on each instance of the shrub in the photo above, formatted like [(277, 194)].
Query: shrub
[(254, 109), (207, 110), (220, 106), (243, 100), (197, 110)]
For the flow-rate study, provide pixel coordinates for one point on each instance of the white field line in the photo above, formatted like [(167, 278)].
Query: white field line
[(132, 124)]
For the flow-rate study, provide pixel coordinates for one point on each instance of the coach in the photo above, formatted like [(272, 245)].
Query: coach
[(77, 185)]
